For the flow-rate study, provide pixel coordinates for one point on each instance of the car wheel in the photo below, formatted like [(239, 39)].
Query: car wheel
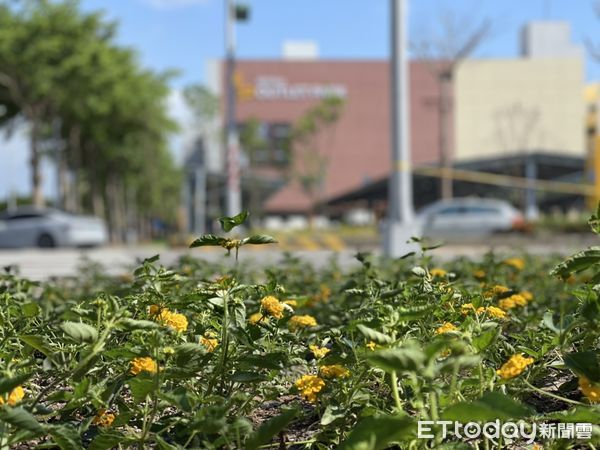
[(46, 241)]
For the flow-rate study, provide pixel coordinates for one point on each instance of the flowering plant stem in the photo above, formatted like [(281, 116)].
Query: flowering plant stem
[(549, 394)]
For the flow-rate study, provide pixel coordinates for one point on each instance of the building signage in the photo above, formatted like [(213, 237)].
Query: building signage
[(269, 88), (277, 88)]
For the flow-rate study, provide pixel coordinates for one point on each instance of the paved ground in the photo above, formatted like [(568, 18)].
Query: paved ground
[(41, 264)]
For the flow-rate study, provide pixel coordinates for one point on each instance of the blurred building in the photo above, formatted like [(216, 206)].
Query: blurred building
[(504, 110), (357, 147), (592, 129)]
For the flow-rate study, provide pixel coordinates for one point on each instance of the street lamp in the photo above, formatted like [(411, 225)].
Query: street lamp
[(233, 204), (399, 226)]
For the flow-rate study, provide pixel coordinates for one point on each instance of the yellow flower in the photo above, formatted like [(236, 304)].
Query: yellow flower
[(437, 272), (514, 366), (495, 312), (325, 292), (309, 386), (371, 345), (468, 307), (15, 396), (173, 320), (292, 303), (301, 322), (144, 364), (334, 371), (209, 341), (512, 301), (496, 290), (506, 303), (519, 299), (319, 352), (272, 306), (103, 419), (479, 274), (256, 317), (446, 328), (528, 296), (517, 263), (589, 389)]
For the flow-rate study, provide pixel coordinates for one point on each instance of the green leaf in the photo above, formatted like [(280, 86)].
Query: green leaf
[(578, 414), (66, 437), (8, 384), (270, 428), (21, 419), (259, 239), (491, 406), (373, 335), (272, 361), (376, 433), (458, 362), (485, 339), (30, 309), (584, 363), (141, 386), (106, 440), (133, 324), (242, 376), (38, 343), (594, 221), (398, 359), (414, 312), (577, 262), (188, 352), (548, 320), (331, 414), (208, 240), (229, 223), (80, 332)]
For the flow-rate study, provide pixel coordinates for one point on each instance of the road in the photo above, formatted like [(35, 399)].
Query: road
[(41, 264)]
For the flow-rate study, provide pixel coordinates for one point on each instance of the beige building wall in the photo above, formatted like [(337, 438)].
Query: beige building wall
[(519, 105)]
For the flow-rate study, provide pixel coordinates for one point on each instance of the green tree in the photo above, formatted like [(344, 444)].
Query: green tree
[(310, 145), (62, 72)]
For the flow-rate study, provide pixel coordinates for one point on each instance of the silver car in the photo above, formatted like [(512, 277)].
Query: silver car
[(33, 227), (469, 217)]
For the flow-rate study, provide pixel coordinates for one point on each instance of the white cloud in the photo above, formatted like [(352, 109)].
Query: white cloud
[(169, 4)]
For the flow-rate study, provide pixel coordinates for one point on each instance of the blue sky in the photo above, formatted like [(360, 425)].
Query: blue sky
[(184, 34)]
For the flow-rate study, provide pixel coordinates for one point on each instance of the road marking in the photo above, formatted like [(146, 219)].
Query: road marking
[(333, 242)]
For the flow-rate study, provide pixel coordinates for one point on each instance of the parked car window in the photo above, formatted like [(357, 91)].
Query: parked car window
[(481, 210), (450, 210), (24, 216)]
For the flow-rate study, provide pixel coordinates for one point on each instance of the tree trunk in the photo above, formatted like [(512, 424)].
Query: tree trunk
[(37, 195), (444, 134), (74, 191)]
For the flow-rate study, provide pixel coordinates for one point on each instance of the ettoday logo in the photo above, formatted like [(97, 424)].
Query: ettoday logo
[(507, 431)]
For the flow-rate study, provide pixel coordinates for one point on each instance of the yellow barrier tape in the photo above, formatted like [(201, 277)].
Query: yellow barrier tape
[(500, 180)]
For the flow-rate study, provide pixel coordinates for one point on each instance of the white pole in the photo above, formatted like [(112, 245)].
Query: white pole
[(400, 220), (233, 204)]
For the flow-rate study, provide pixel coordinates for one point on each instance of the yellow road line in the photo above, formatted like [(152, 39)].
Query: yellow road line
[(306, 243), (333, 242)]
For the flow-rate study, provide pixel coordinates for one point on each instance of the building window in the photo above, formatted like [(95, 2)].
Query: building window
[(266, 144)]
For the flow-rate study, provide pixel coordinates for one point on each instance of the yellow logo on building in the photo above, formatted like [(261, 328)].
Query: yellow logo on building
[(243, 90)]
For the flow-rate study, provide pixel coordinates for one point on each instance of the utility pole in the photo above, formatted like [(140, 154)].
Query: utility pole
[(399, 226), (233, 203)]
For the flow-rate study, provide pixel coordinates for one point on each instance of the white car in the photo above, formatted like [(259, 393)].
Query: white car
[(469, 217), (46, 228)]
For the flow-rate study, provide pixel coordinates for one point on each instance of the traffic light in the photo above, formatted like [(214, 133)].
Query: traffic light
[(242, 12)]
